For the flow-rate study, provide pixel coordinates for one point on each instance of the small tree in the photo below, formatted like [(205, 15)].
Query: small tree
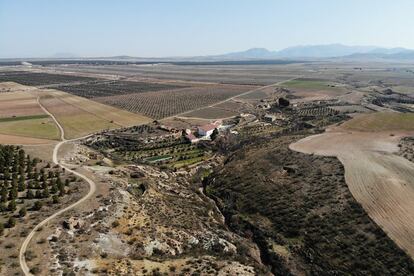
[(29, 194), (11, 222), (3, 194), (55, 199), (37, 205), (214, 135), (12, 205), (22, 212)]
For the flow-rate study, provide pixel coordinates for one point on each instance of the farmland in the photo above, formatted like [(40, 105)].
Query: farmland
[(19, 103), (115, 88), (309, 84), (227, 74), (80, 116), (36, 79), (210, 113), (163, 188), (371, 170), (163, 104), (40, 126), (297, 205), (155, 146), (384, 121)]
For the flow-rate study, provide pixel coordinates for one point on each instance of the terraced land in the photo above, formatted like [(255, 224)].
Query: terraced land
[(139, 145)]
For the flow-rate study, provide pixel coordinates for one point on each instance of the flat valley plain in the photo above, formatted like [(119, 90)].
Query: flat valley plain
[(130, 114)]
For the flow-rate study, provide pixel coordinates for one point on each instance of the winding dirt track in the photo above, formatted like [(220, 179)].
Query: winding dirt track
[(92, 188), (381, 181)]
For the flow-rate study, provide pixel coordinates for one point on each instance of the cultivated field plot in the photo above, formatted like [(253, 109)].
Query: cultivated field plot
[(22, 121), (382, 121), (115, 88), (309, 89), (317, 111), (210, 113), (163, 104), (37, 126), (35, 79), (226, 74), (231, 106), (19, 103), (80, 116), (351, 109)]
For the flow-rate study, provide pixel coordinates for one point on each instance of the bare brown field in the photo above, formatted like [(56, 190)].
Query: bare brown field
[(19, 103), (20, 140), (168, 103), (210, 113), (380, 180), (231, 106)]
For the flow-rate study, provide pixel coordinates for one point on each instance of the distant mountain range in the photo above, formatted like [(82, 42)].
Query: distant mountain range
[(297, 53), (321, 51)]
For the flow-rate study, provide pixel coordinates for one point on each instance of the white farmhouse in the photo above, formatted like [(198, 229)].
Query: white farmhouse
[(206, 130)]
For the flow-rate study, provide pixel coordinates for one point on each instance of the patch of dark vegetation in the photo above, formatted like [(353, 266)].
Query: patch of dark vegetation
[(304, 219), (26, 184), (115, 88), (36, 79), (406, 146)]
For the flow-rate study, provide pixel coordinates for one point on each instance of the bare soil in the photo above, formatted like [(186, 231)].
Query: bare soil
[(379, 179)]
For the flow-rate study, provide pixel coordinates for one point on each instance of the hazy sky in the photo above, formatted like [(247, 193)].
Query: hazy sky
[(41, 28)]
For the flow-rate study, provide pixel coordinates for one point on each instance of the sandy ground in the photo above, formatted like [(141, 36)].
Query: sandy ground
[(380, 180)]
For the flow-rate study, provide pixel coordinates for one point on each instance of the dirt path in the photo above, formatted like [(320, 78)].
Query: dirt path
[(92, 188), (381, 181)]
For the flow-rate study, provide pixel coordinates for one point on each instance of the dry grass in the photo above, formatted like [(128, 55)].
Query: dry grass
[(382, 121), (43, 128)]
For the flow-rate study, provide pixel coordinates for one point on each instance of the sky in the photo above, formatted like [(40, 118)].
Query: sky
[(157, 28)]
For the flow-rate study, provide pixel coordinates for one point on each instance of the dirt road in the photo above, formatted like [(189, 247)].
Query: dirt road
[(381, 181), (92, 188), (232, 98)]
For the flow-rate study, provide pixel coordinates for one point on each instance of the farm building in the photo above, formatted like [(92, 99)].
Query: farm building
[(191, 138), (207, 130)]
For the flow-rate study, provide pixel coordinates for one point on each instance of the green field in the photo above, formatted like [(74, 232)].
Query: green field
[(308, 84), (22, 118), (39, 126), (383, 121)]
